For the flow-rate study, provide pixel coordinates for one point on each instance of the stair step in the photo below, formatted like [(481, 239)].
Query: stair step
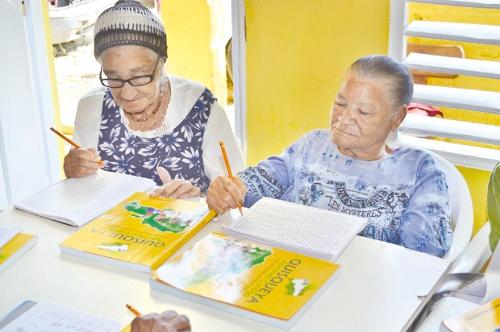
[(466, 32), (463, 3), (476, 100), (450, 65), (427, 126)]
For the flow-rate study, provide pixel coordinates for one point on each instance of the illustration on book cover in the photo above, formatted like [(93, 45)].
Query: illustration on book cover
[(222, 266), (164, 220)]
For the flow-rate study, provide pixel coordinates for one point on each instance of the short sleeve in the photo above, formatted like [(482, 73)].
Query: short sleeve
[(218, 129), (88, 119)]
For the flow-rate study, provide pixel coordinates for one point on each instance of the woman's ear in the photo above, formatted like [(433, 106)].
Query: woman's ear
[(399, 116)]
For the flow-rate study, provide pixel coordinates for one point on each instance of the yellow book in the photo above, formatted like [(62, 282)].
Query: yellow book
[(485, 318), (15, 248), (264, 283), (139, 233)]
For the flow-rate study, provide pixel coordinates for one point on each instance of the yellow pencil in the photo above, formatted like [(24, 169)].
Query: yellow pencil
[(65, 138), (228, 167), (73, 143), (133, 310)]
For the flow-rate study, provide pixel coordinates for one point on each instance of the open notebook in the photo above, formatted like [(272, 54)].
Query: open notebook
[(308, 230), (77, 201), (32, 316)]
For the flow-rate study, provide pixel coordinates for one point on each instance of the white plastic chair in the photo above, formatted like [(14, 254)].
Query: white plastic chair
[(462, 215)]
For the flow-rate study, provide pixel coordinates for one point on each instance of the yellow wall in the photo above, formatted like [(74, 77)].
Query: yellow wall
[(190, 32), (53, 80), (297, 53), (476, 179)]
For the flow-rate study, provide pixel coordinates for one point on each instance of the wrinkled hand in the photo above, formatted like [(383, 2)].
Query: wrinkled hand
[(81, 162), (175, 188), (168, 321), (226, 193)]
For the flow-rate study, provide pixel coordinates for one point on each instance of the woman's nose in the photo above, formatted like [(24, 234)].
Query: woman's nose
[(347, 115), (128, 92)]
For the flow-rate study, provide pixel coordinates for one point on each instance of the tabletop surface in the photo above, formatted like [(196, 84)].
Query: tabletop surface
[(377, 288)]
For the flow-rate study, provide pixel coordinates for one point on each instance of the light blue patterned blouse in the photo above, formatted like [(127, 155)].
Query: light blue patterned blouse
[(403, 196)]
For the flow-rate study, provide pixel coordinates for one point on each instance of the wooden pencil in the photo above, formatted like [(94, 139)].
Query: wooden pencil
[(65, 138), (73, 143), (133, 310), (228, 167)]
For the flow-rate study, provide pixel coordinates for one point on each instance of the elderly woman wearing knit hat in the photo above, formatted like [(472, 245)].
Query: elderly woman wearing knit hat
[(143, 122)]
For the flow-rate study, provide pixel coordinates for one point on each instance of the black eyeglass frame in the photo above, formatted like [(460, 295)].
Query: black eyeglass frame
[(130, 81)]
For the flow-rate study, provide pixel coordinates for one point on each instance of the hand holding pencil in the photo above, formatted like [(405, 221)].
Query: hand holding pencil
[(226, 192), (79, 162)]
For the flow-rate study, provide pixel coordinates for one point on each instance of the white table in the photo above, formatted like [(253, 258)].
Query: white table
[(376, 290)]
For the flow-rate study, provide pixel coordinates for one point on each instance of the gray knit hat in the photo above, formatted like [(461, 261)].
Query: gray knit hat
[(129, 23)]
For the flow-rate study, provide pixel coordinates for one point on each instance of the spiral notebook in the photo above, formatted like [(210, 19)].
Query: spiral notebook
[(304, 229)]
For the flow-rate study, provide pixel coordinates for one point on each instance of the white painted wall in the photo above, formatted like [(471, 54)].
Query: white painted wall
[(28, 155)]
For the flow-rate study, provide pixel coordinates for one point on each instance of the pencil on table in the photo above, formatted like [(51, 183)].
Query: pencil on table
[(228, 167), (133, 310), (73, 143)]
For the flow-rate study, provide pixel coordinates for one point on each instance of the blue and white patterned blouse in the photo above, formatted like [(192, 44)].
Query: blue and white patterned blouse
[(180, 151), (403, 196)]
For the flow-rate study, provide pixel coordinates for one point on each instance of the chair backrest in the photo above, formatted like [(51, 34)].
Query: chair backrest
[(462, 213)]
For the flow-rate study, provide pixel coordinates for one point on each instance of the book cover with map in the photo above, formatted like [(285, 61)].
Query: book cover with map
[(139, 233), (264, 283)]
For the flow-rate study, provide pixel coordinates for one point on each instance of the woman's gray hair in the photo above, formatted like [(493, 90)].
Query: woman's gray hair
[(384, 67)]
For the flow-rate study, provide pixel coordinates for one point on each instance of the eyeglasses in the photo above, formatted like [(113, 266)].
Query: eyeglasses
[(134, 81)]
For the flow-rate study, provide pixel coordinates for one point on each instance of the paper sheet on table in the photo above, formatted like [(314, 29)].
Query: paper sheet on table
[(55, 318)]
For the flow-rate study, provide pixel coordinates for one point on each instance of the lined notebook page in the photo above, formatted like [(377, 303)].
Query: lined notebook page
[(46, 317), (77, 201), (312, 231)]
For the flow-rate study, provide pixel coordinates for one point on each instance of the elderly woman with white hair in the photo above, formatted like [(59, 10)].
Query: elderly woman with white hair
[(351, 168), (144, 122)]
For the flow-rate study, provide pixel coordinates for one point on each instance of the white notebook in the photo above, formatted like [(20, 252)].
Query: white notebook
[(77, 201), (47, 317), (308, 230)]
